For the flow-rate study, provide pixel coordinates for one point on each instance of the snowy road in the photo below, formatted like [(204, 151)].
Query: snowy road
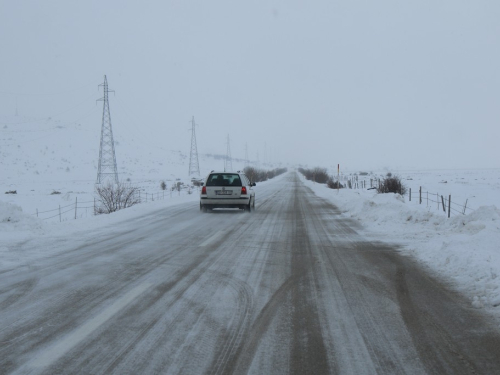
[(292, 288)]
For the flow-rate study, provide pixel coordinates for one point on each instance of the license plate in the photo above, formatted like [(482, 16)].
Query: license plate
[(223, 192)]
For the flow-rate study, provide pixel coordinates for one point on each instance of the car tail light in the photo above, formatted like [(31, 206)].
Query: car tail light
[(243, 190), (204, 190)]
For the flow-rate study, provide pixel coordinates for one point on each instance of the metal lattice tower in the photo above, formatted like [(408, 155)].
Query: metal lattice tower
[(246, 155), (266, 161), (194, 164), (107, 170), (228, 162)]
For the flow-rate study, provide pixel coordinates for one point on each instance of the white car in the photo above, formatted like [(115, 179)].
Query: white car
[(227, 190)]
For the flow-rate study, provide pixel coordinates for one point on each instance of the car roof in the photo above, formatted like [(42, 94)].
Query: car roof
[(227, 172)]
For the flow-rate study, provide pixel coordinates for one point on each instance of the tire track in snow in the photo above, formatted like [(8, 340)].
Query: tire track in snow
[(170, 296), (17, 291), (238, 329)]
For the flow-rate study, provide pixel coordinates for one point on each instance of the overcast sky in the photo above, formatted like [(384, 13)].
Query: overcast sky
[(367, 84)]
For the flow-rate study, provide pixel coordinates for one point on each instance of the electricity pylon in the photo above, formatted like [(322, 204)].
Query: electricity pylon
[(194, 164), (228, 162), (266, 161), (246, 155), (107, 170)]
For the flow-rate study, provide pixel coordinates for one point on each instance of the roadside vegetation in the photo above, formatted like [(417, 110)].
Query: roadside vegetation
[(259, 175), (112, 197), (391, 184), (321, 176)]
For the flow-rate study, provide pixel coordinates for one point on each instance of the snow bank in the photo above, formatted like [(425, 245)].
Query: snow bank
[(12, 218), (15, 226), (464, 249)]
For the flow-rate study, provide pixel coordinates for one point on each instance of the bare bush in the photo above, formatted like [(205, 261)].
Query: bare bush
[(251, 173), (197, 182), (111, 198), (391, 184), (163, 185), (259, 175), (334, 184), (317, 174)]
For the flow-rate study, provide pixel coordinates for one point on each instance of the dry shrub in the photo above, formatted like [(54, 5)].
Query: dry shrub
[(391, 184), (259, 175), (112, 197), (317, 174), (334, 184)]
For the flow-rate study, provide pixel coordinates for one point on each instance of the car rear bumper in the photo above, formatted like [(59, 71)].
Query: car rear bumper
[(224, 202)]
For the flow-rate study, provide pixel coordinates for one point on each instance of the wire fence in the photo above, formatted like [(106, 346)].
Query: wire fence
[(441, 202), (64, 212), (79, 209)]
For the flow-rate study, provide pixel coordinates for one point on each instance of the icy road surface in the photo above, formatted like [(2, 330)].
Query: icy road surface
[(292, 288)]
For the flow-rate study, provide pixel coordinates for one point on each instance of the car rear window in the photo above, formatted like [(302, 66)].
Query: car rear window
[(224, 179)]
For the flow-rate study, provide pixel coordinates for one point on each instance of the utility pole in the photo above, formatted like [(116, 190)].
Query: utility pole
[(194, 164), (107, 169), (265, 154), (228, 162), (246, 155)]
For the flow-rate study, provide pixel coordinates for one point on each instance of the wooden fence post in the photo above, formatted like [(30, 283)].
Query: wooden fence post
[(410, 194), (449, 205), (420, 195), (442, 201), (465, 207)]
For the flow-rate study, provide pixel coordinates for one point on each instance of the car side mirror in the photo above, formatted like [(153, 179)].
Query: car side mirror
[(254, 184)]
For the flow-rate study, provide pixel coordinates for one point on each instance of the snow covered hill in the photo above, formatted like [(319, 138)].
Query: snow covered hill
[(50, 163)]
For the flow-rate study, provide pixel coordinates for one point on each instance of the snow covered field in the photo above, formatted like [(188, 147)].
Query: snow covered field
[(51, 163), (465, 248)]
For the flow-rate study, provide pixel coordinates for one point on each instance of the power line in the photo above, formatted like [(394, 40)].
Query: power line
[(43, 94)]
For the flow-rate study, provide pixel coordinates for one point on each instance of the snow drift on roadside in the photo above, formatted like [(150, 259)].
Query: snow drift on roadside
[(12, 218)]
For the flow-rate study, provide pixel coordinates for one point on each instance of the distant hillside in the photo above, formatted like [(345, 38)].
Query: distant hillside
[(44, 149)]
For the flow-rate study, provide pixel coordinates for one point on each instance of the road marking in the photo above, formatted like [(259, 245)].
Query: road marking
[(61, 347), (212, 238)]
